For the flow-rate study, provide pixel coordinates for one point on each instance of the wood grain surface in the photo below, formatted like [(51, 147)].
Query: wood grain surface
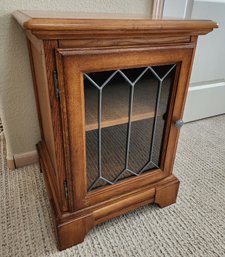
[(72, 44)]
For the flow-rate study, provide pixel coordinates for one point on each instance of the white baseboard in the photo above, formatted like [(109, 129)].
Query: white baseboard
[(11, 164), (205, 100), (23, 159)]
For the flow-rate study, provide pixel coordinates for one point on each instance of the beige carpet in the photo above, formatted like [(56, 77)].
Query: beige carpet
[(195, 226)]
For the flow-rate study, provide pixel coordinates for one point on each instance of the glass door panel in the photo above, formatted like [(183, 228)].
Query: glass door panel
[(125, 113)]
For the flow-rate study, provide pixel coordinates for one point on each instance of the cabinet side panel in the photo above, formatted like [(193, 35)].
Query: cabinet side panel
[(43, 100), (56, 122), (49, 117)]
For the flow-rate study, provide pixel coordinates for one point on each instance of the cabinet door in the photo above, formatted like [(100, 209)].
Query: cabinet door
[(119, 108)]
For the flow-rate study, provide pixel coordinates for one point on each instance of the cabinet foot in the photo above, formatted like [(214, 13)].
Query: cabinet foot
[(73, 232), (166, 194)]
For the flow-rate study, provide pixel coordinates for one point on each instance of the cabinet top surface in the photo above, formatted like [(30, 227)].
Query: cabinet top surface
[(54, 21)]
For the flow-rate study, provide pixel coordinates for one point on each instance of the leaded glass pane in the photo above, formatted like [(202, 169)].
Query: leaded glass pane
[(125, 113)]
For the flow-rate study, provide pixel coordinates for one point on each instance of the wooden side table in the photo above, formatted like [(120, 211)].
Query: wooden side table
[(110, 94)]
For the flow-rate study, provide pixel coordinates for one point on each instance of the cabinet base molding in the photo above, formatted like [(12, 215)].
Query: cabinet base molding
[(74, 231), (167, 194), (73, 226)]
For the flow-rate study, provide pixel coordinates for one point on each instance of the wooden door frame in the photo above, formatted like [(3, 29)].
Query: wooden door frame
[(70, 65)]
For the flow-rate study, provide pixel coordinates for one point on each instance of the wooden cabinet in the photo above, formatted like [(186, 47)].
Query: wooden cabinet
[(110, 95)]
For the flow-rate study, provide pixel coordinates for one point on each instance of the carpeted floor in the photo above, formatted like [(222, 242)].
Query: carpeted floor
[(194, 226)]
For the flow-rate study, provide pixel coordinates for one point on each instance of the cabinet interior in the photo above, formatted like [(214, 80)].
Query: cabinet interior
[(125, 117)]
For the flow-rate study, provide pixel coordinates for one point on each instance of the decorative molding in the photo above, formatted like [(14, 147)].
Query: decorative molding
[(157, 10), (188, 9), (205, 100)]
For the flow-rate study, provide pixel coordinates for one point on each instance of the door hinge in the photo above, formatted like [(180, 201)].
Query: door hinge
[(66, 189), (56, 84)]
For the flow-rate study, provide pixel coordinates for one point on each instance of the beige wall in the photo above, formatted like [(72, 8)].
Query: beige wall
[(17, 103)]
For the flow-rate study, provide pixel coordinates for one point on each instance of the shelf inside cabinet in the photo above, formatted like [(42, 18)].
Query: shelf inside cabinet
[(117, 99)]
